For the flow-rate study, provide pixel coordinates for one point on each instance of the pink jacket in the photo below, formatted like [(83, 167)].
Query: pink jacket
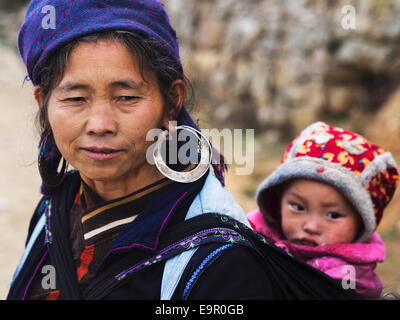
[(334, 259)]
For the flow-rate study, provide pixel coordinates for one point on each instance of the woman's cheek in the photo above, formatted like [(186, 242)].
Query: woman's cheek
[(66, 128)]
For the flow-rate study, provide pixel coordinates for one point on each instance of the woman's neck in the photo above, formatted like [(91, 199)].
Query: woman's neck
[(120, 187)]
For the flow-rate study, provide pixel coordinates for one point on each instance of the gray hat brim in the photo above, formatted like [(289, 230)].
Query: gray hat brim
[(341, 178)]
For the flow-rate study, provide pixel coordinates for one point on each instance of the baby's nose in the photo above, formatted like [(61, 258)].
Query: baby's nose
[(312, 225)]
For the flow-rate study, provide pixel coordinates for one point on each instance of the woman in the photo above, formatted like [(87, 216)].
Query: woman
[(106, 75)]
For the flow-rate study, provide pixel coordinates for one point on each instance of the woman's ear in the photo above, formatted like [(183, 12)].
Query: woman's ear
[(177, 93), (38, 95)]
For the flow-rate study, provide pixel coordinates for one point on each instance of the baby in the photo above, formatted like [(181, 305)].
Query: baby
[(324, 202)]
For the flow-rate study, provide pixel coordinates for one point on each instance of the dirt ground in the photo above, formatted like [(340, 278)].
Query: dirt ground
[(19, 182)]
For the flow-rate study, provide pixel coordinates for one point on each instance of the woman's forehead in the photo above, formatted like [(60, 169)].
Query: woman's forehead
[(107, 60), (100, 51)]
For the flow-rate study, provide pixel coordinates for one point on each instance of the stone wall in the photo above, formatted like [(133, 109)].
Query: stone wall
[(12, 13), (279, 65)]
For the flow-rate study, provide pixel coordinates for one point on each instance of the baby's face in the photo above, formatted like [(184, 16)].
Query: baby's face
[(314, 214)]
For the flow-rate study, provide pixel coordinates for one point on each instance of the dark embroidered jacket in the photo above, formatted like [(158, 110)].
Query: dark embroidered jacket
[(83, 247)]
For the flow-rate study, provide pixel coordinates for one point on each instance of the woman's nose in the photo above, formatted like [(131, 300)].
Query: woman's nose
[(101, 122)]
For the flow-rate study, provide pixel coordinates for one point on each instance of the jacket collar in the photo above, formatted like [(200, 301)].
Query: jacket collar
[(214, 198), (144, 232)]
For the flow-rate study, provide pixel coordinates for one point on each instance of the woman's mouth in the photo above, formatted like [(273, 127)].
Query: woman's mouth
[(101, 153)]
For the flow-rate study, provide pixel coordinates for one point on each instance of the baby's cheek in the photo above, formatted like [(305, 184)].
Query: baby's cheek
[(339, 235), (288, 229)]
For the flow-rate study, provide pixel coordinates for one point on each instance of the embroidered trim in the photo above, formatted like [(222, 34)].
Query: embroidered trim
[(124, 200), (206, 236), (202, 267), (240, 226), (321, 137), (159, 231), (305, 134), (33, 275), (48, 238), (354, 146), (108, 226)]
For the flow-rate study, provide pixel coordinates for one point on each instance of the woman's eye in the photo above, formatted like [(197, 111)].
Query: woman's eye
[(128, 98), (75, 99), (333, 215), (297, 207)]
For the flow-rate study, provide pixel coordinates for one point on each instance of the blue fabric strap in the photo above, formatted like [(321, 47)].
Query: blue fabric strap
[(35, 234), (212, 198), (203, 266)]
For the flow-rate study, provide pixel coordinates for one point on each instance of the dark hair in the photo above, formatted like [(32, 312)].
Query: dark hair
[(272, 205), (150, 58)]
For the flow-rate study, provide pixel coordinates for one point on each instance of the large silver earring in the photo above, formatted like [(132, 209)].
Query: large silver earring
[(204, 148)]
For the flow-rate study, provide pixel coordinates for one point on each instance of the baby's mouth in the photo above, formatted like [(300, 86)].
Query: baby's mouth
[(306, 242)]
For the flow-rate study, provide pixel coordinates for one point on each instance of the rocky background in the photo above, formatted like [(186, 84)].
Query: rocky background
[(279, 65), (275, 66)]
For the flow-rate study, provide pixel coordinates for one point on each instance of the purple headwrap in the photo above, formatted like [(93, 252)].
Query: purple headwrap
[(51, 24), (76, 18)]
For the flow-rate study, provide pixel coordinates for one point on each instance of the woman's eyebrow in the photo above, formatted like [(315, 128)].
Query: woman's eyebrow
[(129, 84), (125, 84), (71, 87)]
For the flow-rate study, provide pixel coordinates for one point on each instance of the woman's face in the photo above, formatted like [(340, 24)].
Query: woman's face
[(314, 213), (102, 110)]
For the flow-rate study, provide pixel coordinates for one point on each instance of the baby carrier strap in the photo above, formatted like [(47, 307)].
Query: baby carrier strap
[(291, 279), (177, 241), (36, 227), (212, 198)]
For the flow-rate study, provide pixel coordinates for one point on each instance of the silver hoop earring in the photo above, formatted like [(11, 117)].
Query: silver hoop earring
[(195, 174)]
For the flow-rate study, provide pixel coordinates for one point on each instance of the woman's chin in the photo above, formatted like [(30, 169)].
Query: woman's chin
[(100, 174)]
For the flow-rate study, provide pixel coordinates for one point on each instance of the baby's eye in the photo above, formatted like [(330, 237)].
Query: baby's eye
[(297, 206), (334, 215)]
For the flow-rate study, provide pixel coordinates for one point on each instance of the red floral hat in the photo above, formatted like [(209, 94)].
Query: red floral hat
[(362, 171)]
